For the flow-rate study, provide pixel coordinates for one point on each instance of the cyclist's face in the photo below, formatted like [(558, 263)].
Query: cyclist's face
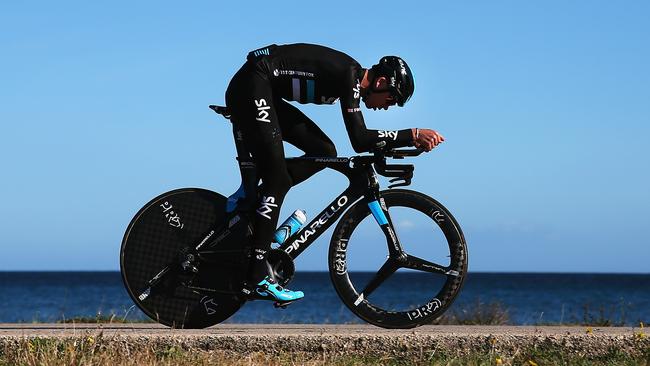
[(380, 97), (379, 100)]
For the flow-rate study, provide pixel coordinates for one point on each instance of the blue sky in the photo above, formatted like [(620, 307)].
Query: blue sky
[(545, 107)]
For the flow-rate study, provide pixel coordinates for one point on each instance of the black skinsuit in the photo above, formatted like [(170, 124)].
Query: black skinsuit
[(257, 98)]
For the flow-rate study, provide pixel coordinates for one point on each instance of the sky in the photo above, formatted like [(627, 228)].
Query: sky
[(545, 107)]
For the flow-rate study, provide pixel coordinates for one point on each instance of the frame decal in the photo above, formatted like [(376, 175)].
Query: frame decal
[(377, 212)]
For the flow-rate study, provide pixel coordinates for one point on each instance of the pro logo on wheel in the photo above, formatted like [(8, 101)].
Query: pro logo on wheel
[(209, 305), (339, 258)]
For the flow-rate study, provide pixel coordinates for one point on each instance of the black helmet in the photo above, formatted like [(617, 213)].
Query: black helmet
[(400, 78)]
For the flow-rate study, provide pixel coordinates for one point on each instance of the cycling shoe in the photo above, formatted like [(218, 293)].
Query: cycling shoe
[(268, 289)]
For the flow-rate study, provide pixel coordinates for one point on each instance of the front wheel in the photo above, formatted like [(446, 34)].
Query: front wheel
[(398, 291)]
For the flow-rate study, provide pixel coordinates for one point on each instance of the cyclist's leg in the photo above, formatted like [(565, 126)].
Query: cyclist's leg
[(268, 154), (303, 133), (250, 98)]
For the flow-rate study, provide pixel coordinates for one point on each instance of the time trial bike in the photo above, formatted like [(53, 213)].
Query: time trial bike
[(185, 254)]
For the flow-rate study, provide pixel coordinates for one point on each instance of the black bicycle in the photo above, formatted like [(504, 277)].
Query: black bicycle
[(185, 254)]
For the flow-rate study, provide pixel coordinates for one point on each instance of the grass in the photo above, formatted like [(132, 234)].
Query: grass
[(100, 350), (495, 313), (478, 313), (89, 350), (100, 318)]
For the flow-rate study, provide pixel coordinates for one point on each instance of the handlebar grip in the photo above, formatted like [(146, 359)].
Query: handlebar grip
[(401, 154)]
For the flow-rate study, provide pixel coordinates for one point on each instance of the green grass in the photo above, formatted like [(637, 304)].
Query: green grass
[(89, 350)]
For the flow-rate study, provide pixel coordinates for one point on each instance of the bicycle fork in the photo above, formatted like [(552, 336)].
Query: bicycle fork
[(379, 211), (396, 255)]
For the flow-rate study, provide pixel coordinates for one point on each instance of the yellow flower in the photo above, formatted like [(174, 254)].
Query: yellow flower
[(589, 330), (641, 334), (532, 363), (499, 362)]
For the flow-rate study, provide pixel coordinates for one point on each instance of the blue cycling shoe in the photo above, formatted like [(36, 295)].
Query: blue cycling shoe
[(268, 289)]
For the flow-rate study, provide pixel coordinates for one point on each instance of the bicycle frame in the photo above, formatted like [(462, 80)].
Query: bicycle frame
[(363, 183)]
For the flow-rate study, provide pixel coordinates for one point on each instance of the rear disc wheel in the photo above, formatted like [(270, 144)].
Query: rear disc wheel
[(156, 242)]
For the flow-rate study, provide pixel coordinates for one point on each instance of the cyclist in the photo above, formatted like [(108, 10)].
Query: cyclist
[(257, 98)]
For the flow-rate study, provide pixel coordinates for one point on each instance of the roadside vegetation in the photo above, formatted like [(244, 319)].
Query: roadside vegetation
[(478, 313), (100, 318), (495, 313), (95, 349), (89, 350)]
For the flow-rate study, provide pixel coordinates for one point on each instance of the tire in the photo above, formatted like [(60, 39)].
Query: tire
[(154, 240), (408, 298)]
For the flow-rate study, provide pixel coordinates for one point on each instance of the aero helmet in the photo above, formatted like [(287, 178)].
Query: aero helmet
[(400, 78)]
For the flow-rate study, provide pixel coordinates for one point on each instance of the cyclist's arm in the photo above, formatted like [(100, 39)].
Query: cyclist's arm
[(362, 138)]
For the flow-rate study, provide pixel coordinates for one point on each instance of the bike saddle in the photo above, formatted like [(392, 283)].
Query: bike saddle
[(224, 111)]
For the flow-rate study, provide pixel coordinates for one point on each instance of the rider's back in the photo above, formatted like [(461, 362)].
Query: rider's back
[(307, 73)]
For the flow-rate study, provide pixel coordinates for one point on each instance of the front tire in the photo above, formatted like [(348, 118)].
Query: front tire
[(408, 298)]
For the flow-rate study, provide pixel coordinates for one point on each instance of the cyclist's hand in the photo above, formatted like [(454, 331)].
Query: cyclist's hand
[(426, 139)]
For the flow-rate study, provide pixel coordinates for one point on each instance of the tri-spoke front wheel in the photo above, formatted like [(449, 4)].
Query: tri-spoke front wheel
[(412, 286)]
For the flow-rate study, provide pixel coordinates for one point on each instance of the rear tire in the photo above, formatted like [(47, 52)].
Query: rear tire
[(156, 238)]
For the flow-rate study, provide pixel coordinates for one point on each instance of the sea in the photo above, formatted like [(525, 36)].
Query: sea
[(515, 298)]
